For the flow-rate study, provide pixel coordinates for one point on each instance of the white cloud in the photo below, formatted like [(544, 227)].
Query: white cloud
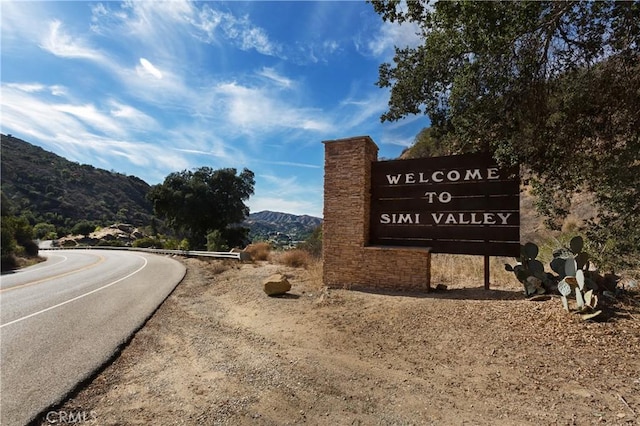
[(293, 164), (359, 111), (256, 109), (90, 116), (27, 87), (21, 23), (271, 74), (61, 44), (150, 68), (84, 132), (382, 44), (212, 25), (132, 116)]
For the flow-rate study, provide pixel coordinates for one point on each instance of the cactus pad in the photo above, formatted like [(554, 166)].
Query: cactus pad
[(564, 288), (580, 278), (536, 267), (576, 244), (582, 260), (570, 267), (579, 300), (557, 265), (530, 250)]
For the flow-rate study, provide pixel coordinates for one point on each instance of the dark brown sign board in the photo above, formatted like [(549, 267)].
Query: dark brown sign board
[(462, 204)]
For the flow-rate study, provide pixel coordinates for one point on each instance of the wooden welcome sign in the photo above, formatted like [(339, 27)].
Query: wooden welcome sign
[(462, 204)]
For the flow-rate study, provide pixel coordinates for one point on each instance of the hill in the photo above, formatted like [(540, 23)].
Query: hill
[(280, 227), (47, 188)]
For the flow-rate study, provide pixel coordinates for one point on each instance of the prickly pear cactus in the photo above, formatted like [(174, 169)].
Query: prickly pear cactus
[(530, 271), (573, 276)]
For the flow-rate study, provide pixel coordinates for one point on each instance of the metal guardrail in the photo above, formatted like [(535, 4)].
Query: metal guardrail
[(186, 253)]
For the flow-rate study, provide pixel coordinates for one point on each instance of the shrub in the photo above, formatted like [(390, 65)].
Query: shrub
[(30, 248), (44, 231), (296, 258), (259, 251), (216, 242), (112, 243), (313, 244), (184, 245), (7, 239), (216, 266), (83, 228), (148, 242), (8, 262)]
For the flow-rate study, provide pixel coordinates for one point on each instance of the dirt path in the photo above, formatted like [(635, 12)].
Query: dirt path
[(219, 351)]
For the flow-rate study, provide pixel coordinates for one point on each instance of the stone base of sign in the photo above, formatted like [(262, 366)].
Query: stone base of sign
[(349, 261)]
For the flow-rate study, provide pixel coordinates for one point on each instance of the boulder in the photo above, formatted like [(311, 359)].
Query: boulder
[(122, 233), (276, 284)]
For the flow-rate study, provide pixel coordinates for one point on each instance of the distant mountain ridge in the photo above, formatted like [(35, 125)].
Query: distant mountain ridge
[(279, 217), (266, 225)]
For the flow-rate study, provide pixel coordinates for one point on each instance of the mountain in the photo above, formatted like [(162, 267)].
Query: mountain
[(47, 188), (277, 226)]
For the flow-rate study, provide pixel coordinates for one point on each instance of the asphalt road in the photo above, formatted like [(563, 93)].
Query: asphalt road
[(63, 319)]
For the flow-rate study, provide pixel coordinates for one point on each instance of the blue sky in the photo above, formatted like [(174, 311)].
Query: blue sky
[(150, 88)]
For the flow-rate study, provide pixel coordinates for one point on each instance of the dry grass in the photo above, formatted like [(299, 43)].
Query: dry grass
[(259, 251), (468, 271), (315, 273), (217, 266), (452, 270), (301, 258), (295, 258)]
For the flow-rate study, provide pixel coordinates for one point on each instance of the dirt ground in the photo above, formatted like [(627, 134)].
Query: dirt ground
[(219, 351)]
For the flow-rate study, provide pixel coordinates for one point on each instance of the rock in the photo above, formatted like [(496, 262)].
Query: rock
[(276, 284), (244, 256), (441, 287), (122, 233), (124, 227), (533, 285)]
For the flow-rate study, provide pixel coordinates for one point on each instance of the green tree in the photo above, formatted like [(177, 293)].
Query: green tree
[(552, 85), (83, 228), (216, 242), (200, 201), (17, 239), (313, 244), (44, 231)]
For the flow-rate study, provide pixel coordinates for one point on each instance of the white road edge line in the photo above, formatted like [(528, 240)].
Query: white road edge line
[(79, 297)]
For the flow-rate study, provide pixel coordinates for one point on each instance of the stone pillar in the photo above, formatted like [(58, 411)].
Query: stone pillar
[(347, 195), (348, 260)]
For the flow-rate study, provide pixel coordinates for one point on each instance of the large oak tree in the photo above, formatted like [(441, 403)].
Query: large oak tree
[(203, 200), (552, 85)]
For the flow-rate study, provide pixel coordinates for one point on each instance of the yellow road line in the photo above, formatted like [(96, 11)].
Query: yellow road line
[(144, 265), (100, 260)]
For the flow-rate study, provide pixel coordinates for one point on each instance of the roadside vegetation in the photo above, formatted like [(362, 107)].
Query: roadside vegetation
[(18, 247)]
